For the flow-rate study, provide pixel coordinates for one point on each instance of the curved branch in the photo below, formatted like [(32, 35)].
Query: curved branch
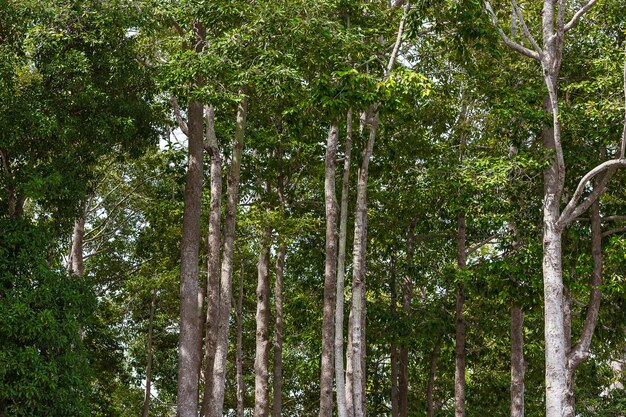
[(182, 124), (511, 44), (580, 13), (396, 46), (573, 209)]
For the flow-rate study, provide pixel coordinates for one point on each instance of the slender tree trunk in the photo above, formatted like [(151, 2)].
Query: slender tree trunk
[(212, 290), (459, 346), (350, 369), (341, 267), (216, 404), (189, 358), (517, 361), (407, 298), (278, 332), (395, 356), (146, 400), (358, 275), (77, 253), (239, 362), (330, 275), (432, 374), (580, 351), (261, 358)]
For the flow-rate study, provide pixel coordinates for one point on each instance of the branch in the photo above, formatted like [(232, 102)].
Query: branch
[(613, 219), (573, 209), (511, 44), (396, 46), (211, 145), (525, 29), (490, 239), (611, 232), (178, 115), (583, 10)]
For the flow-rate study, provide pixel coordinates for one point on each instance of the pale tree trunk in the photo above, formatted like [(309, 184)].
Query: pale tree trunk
[(407, 298), (189, 358), (580, 352), (341, 267), (76, 253), (212, 290), (358, 275), (216, 404), (146, 400), (394, 354), (261, 358), (239, 361), (549, 55), (432, 375), (349, 369), (330, 275), (459, 345), (278, 332), (517, 361)]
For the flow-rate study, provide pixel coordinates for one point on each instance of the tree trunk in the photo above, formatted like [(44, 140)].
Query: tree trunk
[(212, 290), (407, 298), (432, 374), (146, 401), (330, 275), (216, 404), (459, 346), (278, 332), (580, 352), (341, 267), (239, 364), (261, 358), (350, 369), (394, 354), (189, 358), (358, 275), (517, 361), (77, 254)]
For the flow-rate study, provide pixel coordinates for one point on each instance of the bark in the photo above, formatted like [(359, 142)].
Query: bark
[(212, 285), (517, 361), (580, 352), (189, 358), (407, 297), (278, 332), (216, 403), (341, 262), (358, 275), (394, 354), (77, 254), (261, 358), (239, 360), (459, 346), (350, 369), (146, 401), (432, 374), (330, 275)]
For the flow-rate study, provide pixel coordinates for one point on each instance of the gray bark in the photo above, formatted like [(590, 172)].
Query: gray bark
[(212, 285), (76, 253), (239, 361), (432, 375), (146, 400), (517, 361), (216, 404), (459, 345), (394, 353), (358, 275), (341, 266), (407, 297), (349, 369), (189, 357), (278, 332), (261, 358), (330, 276)]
